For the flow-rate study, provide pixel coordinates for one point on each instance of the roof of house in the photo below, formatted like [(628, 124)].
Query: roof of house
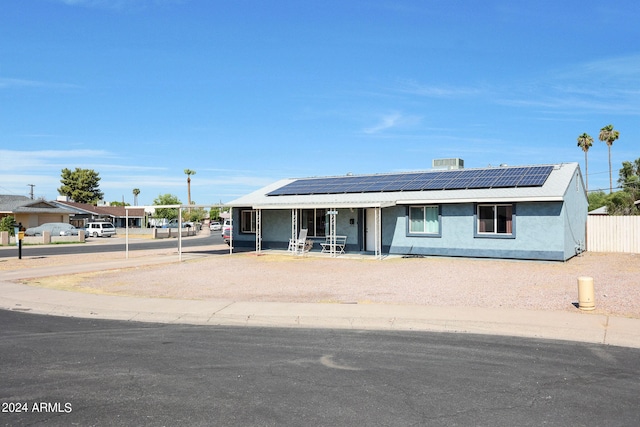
[(110, 211), (21, 204), (553, 188), (602, 210), (8, 202)]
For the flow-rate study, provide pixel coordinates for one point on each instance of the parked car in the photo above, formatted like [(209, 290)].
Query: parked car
[(226, 235), (55, 228), (100, 229), (71, 231), (215, 226), (174, 224), (225, 225)]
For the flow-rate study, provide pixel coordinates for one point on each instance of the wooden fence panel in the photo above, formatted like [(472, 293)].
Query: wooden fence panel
[(613, 233)]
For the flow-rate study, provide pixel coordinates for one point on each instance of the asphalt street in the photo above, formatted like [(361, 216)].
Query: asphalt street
[(111, 244), (70, 371)]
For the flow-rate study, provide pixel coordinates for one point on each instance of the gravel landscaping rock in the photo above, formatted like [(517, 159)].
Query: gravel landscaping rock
[(429, 281)]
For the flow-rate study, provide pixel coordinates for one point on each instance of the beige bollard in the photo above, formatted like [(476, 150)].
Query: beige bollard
[(586, 293)]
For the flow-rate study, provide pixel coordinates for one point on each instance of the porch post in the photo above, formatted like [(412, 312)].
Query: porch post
[(258, 231), (294, 225), (126, 232), (180, 233), (230, 230), (378, 233), (333, 213)]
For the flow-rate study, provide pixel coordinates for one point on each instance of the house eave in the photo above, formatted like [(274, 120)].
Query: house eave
[(315, 205), (480, 200)]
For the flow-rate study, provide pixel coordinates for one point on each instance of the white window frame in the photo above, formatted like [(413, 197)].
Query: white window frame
[(251, 229), (311, 231), (495, 207), (424, 208)]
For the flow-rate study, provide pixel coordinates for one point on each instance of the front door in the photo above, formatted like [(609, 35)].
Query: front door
[(370, 230)]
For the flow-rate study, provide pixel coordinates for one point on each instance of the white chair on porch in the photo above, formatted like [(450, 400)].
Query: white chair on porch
[(300, 245)]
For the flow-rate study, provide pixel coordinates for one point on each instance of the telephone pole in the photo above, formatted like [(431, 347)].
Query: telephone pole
[(31, 193)]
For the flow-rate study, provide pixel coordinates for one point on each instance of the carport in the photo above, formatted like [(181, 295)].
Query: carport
[(180, 209)]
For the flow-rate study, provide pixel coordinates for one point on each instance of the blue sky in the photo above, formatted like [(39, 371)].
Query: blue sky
[(247, 92)]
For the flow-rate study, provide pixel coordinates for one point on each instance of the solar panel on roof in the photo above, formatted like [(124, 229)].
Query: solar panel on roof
[(400, 182), (435, 184), (535, 176), (422, 181), (416, 184)]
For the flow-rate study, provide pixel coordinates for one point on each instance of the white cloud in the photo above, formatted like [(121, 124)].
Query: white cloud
[(607, 85), (390, 121), (45, 160), (385, 123), (118, 5), (11, 83), (433, 91)]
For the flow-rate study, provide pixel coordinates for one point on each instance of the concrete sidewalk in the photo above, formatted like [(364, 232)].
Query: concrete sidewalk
[(578, 326)]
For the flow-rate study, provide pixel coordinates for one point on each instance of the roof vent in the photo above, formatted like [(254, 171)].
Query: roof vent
[(447, 164)]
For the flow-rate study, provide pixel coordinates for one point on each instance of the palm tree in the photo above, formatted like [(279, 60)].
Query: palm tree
[(136, 191), (608, 135), (585, 141), (189, 172)]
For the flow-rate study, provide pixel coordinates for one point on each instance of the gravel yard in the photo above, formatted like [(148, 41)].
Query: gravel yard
[(434, 281)]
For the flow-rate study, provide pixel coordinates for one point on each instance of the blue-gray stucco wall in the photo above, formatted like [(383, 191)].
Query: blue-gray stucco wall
[(575, 212), (537, 233)]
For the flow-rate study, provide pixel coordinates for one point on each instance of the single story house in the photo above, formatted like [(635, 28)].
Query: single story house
[(30, 212), (526, 212), (82, 213)]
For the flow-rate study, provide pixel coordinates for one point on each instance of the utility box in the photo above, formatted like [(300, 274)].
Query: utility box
[(586, 293)]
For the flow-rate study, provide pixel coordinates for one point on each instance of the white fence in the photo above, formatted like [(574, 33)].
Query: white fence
[(613, 233)]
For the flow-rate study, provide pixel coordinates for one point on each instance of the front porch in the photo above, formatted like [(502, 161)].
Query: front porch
[(330, 230)]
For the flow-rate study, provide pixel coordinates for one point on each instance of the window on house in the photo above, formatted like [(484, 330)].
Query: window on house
[(424, 220), (248, 221), (314, 220), (495, 219)]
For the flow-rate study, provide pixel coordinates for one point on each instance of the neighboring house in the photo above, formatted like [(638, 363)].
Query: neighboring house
[(528, 212), (31, 213), (602, 210), (117, 215)]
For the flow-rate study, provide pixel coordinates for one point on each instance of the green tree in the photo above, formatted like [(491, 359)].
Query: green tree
[(608, 135), (585, 141), (168, 213), (136, 192), (116, 203), (195, 215), (597, 199), (629, 180), (81, 185), (8, 223), (214, 213), (629, 176), (621, 203), (189, 172)]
